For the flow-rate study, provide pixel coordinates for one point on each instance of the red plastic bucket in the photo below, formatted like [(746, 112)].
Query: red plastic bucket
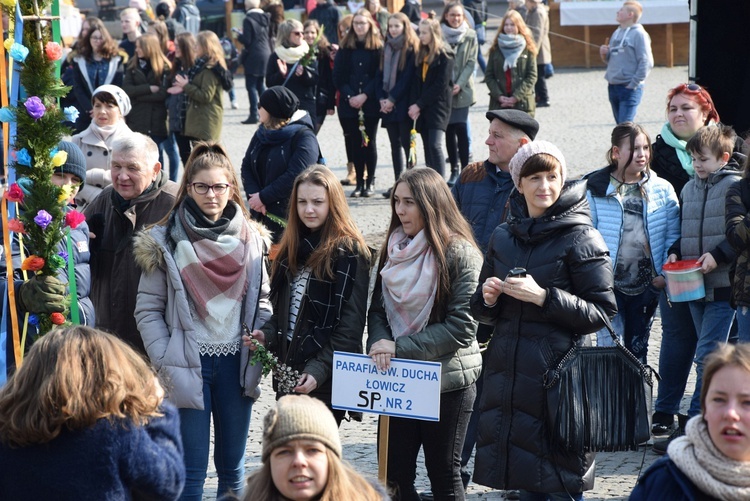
[(684, 280)]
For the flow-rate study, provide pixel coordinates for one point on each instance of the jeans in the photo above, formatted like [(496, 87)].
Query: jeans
[(169, 146), (678, 342), (457, 142), (743, 324), (551, 496), (362, 156), (624, 102), (222, 398), (632, 324), (442, 442), (434, 158), (712, 319), (255, 87), (399, 134)]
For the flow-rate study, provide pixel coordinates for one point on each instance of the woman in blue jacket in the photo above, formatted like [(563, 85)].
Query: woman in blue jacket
[(638, 215)]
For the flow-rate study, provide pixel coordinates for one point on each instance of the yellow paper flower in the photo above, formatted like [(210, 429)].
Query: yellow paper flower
[(60, 157), (9, 41), (66, 191), (8, 3)]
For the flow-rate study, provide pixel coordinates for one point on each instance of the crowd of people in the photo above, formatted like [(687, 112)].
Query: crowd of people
[(495, 271)]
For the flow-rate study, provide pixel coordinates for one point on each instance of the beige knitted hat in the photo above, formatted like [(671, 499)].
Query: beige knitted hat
[(299, 417), (527, 151)]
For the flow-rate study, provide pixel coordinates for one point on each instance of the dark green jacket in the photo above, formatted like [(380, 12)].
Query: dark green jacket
[(205, 110), (523, 79), (149, 113)]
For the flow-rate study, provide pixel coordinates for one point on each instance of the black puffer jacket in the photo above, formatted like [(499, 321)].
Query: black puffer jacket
[(565, 255)]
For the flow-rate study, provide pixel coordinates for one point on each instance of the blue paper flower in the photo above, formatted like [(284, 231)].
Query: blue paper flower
[(33, 319), (26, 185), (6, 115), (63, 255), (43, 219), (53, 152), (71, 113), (23, 157), (18, 52)]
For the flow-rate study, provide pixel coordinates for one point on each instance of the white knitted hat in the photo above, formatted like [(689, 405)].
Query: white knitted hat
[(530, 149)]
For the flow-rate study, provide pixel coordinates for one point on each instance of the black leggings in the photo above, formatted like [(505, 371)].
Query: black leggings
[(457, 142), (399, 134), (361, 155), (183, 144)]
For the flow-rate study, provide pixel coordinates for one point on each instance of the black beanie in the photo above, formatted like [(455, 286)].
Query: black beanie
[(76, 162), (279, 102)]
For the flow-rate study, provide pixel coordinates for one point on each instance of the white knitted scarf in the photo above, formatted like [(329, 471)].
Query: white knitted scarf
[(291, 55), (706, 466)]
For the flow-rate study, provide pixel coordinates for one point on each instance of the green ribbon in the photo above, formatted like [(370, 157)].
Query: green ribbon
[(72, 288)]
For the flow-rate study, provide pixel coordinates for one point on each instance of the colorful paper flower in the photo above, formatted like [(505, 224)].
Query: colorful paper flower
[(16, 226), (26, 185), (63, 255), (66, 191), (56, 262), (23, 157), (32, 263), (14, 193), (60, 158), (8, 3), (53, 51), (57, 318), (18, 52), (34, 319), (8, 43), (35, 107), (43, 219), (6, 115), (74, 218), (71, 112)]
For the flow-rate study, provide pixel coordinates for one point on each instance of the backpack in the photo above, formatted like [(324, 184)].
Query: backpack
[(231, 55), (190, 17)]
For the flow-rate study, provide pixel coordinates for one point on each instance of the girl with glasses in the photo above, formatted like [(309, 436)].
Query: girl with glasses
[(203, 279), (319, 285)]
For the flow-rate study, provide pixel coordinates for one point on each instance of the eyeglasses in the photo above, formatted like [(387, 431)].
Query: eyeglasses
[(360, 23), (218, 189)]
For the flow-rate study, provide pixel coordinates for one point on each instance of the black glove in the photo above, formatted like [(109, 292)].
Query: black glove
[(42, 294)]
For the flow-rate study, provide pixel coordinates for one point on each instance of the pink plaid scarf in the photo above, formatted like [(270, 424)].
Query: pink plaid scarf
[(212, 260), (409, 280)]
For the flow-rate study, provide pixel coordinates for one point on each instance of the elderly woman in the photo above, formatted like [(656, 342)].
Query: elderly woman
[(283, 146), (538, 313), (110, 106)]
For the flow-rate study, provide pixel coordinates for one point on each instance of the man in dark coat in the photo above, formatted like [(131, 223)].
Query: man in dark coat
[(254, 58), (328, 16), (140, 195)]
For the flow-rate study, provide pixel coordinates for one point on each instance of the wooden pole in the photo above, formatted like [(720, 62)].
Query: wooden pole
[(384, 425), (670, 46)]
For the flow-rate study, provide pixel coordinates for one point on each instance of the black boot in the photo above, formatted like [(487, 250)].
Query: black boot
[(358, 191), (252, 119), (454, 176), (370, 190), (660, 446)]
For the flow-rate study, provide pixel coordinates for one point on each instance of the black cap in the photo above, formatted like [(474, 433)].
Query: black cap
[(76, 162), (517, 119), (279, 102)]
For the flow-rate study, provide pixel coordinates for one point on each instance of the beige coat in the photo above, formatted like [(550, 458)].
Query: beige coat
[(538, 22)]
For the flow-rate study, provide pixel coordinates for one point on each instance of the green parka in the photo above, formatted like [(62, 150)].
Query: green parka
[(523, 79), (205, 111)]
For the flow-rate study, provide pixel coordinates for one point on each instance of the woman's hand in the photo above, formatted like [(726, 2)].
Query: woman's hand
[(491, 290), (174, 90), (456, 89), (154, 89), (334, 50), (414, 112), (707, 262), (659, 282), (256, 203), (306, 384), (256, 335), (282, 67), (300, 70), (381, 352), (357, 101), (672, 258), (180, 81), (525, 289)]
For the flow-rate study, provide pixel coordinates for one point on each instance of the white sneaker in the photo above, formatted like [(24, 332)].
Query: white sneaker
[(235, 106)]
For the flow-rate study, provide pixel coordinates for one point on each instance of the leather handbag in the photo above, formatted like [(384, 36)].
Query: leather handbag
[(599, 398)]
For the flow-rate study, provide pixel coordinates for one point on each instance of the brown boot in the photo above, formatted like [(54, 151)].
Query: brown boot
[(351, 175)]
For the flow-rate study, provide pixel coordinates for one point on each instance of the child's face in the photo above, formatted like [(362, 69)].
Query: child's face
[(705, 162), (128, 24), (727, 412), (299, 469), (67, 179), (624, 14), (641, 155)]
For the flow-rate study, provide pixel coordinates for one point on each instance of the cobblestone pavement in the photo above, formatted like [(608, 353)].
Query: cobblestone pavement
[(579, 122)]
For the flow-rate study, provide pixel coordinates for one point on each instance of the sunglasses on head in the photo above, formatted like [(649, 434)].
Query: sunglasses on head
[(692, 87)]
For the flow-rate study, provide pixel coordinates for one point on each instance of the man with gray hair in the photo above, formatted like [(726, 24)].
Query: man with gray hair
[(140, 195)]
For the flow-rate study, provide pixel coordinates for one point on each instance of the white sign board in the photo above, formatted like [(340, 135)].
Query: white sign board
[(409, 389)]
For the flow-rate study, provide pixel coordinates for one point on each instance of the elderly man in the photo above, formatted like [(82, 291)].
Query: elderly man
[(140, 195)]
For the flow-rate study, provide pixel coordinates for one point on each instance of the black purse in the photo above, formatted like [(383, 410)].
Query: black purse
[(599, 398)]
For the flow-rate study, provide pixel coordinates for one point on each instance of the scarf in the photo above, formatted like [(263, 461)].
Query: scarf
[(212, 257), (102, 133), (199, 64), (511, 46), (706, 466), (409, 282), (291, 55), (391, 56), (679, 146), (454, 35), (325, 298)]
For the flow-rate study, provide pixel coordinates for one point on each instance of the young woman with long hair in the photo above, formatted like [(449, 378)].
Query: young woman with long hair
[(146, 81), (213, 251), (319, 285), (355, 72), (203, 87), (463, 40), (427, 272), (90, 412), (397, 67), (185, 56), (511, 66), (325, 94), (432, 93)]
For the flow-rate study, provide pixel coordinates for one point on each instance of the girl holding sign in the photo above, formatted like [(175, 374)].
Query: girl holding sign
[(319, 283), (427, 271)]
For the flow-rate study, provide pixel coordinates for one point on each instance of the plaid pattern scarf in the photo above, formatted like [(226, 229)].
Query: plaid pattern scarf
[(212, 257)]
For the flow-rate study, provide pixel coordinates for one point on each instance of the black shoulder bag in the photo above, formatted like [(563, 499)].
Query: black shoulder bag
[(599, 398)]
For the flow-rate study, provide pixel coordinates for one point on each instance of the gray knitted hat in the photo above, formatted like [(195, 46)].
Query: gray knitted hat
[(527, 151), (299, 417)]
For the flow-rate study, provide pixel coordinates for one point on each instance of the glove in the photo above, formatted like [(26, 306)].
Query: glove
[(42, 294)]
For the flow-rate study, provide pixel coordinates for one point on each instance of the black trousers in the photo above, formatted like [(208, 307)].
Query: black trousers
[(361, 155)]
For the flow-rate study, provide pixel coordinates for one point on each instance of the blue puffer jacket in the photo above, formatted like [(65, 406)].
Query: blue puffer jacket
[(663, 480), (481, 194), (662, 214)]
